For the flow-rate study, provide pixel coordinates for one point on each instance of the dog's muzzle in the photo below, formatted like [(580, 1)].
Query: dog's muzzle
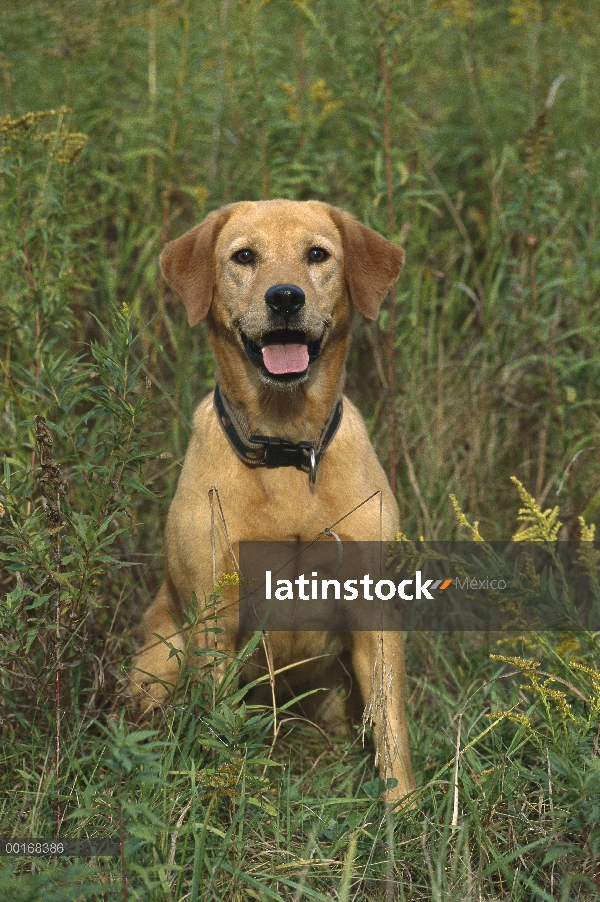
[(284, 354)]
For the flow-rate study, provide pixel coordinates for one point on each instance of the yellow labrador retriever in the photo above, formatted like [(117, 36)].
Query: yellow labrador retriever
[(277, 282)]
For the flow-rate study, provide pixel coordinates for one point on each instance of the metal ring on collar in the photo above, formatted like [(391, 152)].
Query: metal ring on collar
[(313, 467)]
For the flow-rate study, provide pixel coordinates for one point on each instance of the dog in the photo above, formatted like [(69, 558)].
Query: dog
[(277, 283)]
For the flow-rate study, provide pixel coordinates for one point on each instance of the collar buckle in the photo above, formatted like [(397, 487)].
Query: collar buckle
[(271, 451), (281, 453)]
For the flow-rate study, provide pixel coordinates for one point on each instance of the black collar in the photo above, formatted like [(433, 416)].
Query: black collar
[(267, 451)]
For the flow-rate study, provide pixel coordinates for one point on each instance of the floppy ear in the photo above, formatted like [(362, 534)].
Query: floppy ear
[(188, 264), (371, 262)]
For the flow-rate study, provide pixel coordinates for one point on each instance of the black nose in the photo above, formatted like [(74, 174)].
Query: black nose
[(285, 299)]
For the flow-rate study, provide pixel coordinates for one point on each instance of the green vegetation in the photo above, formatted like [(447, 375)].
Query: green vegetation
[(466, 130)]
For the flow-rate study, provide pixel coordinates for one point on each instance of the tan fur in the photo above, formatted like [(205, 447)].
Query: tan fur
[(280, 504)]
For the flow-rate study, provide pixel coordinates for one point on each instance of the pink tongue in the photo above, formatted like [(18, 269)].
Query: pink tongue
[(292, 358)]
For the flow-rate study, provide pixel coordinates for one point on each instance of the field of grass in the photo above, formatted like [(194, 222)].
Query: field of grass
[(465, 130)]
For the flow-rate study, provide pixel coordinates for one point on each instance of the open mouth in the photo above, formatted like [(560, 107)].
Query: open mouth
[(282, 355)]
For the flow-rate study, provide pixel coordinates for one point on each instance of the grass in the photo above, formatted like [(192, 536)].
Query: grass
[(447, 126)]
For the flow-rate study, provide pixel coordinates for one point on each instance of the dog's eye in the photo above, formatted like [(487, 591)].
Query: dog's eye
[(244, 256), (317, 255)]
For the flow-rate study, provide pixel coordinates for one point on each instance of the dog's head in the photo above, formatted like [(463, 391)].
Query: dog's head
[(277, 280)]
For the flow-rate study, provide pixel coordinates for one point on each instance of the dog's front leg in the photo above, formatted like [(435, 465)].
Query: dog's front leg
[(378, 662), (173, 639), (156, 670)]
